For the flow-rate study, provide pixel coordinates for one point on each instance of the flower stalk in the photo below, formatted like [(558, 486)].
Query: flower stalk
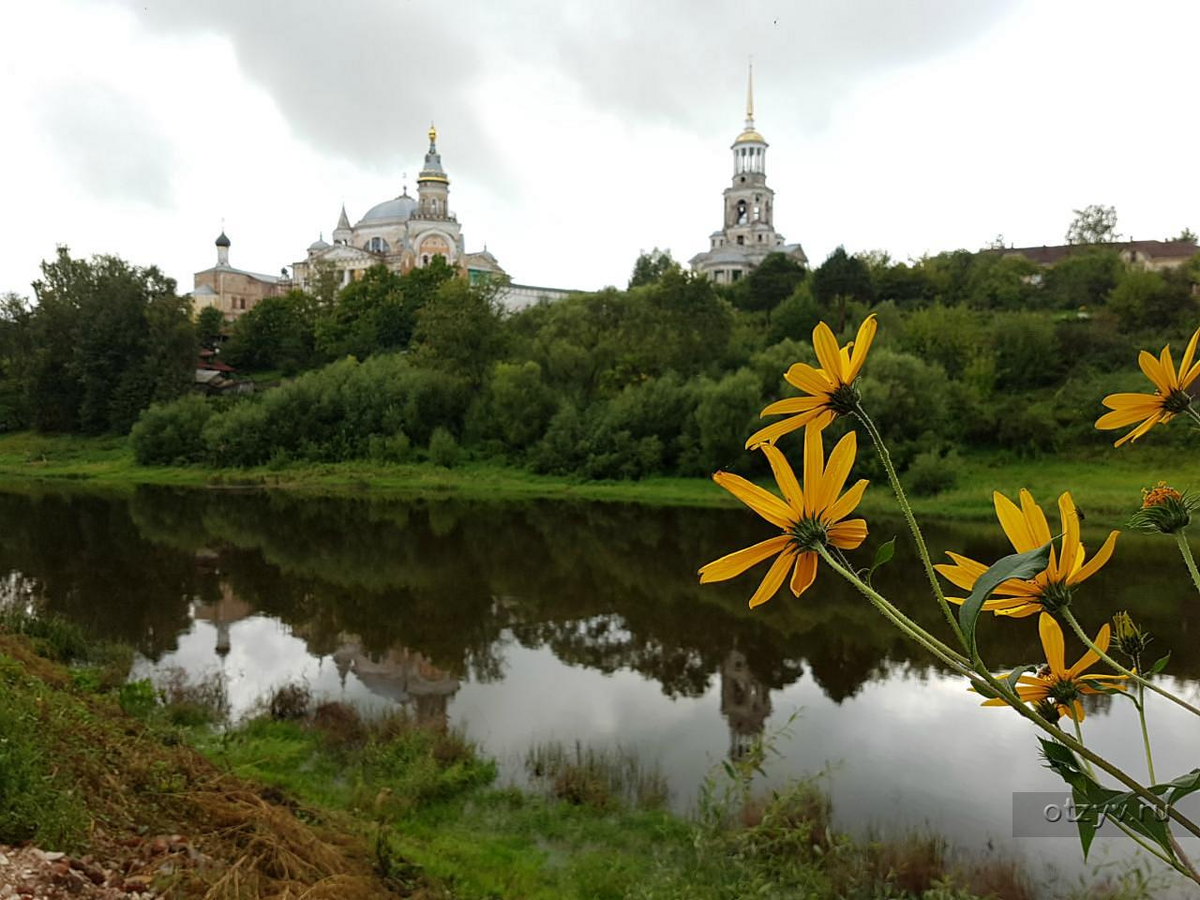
[(922, 550), (1190, 561), (1069, 617)]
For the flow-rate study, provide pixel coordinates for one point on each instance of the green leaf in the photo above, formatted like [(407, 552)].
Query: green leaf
[(1160, 665), (1015, 675), (1016, 565), (883, 555), (1091, 799)]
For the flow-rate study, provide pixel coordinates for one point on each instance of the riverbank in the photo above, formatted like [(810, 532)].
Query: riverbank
[(1108, 485), (136, 783)]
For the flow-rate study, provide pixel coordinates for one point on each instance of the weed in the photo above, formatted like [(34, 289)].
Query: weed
[(289, 702)]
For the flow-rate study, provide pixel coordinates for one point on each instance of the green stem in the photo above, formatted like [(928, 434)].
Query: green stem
[(952, 657), (1069, 618), (918, 538), (1189, 560), (1154, 851), (1141, 705), (1079, 737), (1070, 743)]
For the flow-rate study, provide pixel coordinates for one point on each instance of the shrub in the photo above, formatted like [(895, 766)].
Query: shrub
[(171, 433), (933, 472), (443, 448), (289, 701)]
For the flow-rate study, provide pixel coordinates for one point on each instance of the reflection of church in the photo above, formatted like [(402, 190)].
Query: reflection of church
[(401, 675), (745, 703)]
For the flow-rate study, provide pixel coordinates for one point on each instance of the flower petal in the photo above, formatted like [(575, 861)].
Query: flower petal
[(862, 344), (1013, 523), (828, 353), (773, 579), (785, 478), (814, 466), (1052, 644), (1168, 367), (792, 405), (733, 564), (848, 535), (776, 430), (1069, 555), (840, 462), (1152, 369), (805, 573), (761, 501), (1142, 429), (1093, 565), (1035, 519), (1185, 364), (1090, 658), (846, 504), (808, 379)]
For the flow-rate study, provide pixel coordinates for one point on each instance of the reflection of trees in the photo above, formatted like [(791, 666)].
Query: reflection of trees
[(745, 703), (608, 586)]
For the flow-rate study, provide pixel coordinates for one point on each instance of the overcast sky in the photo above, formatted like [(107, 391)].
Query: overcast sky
[(577, 133)]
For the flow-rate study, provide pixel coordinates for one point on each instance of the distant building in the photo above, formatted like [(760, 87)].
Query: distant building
[(232, 291), (402, 233), (748, 234), (1152, 255)]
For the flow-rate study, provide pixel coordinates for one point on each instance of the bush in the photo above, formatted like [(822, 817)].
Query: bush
[(933, 472), (170, 434), (443, 448)]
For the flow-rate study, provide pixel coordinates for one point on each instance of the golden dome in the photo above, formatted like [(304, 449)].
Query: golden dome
[(432, 133), (750, 136)]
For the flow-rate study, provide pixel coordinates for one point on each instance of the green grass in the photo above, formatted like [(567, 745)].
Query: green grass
[(1107, 483)]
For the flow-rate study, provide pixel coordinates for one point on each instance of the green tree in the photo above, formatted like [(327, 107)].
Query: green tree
[(770, 283), (652, 266), (368, 316), (111, 338), (209, 324), (279, 333), (1083, 279), (1095, 224), (16, 358), (459, 330), (839, 279), (1187, 236)]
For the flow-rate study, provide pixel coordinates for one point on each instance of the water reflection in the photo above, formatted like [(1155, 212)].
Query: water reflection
[(557, 620)]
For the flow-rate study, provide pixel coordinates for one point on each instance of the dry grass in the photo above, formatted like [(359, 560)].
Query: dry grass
[(133, 780)]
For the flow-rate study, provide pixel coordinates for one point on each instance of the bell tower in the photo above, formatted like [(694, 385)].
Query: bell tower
[(749, 203), (433, 187)]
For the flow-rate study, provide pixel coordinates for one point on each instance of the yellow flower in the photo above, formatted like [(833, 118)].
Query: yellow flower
[(1170, 397), (830, 389), (1057, 686), (1027, 529), (807, 517)]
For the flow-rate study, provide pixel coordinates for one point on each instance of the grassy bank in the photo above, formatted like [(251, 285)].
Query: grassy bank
[(314, 801), (1107, 484)]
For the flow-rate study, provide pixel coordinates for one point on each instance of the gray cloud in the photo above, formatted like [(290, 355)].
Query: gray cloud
[(362, 79)]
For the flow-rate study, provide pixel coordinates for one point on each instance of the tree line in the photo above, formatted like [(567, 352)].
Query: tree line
[(976, 351)]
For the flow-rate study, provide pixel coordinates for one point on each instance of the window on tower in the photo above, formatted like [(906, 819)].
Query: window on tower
[(741, 212), (741, 239)]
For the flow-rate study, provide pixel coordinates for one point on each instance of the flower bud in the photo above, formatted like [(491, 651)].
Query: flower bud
[(1131, 639), (1164, 509)]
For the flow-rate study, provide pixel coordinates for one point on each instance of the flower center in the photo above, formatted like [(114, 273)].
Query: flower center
[(1160, 494), (844, 399), (1055, 596), (1064, 691), (808, 534), (1176, 401)]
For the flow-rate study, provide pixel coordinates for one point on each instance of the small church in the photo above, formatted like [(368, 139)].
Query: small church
[(748, 234)]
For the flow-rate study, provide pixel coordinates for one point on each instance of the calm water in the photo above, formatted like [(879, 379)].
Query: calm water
[(569, 621)]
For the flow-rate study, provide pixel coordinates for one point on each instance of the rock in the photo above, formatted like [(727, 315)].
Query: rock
[(136, 884)]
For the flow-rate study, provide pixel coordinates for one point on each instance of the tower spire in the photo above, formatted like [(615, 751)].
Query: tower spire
[(750, 96)]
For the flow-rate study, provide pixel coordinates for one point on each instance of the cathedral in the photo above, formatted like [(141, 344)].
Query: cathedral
[(402, 233), (748, 234)]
